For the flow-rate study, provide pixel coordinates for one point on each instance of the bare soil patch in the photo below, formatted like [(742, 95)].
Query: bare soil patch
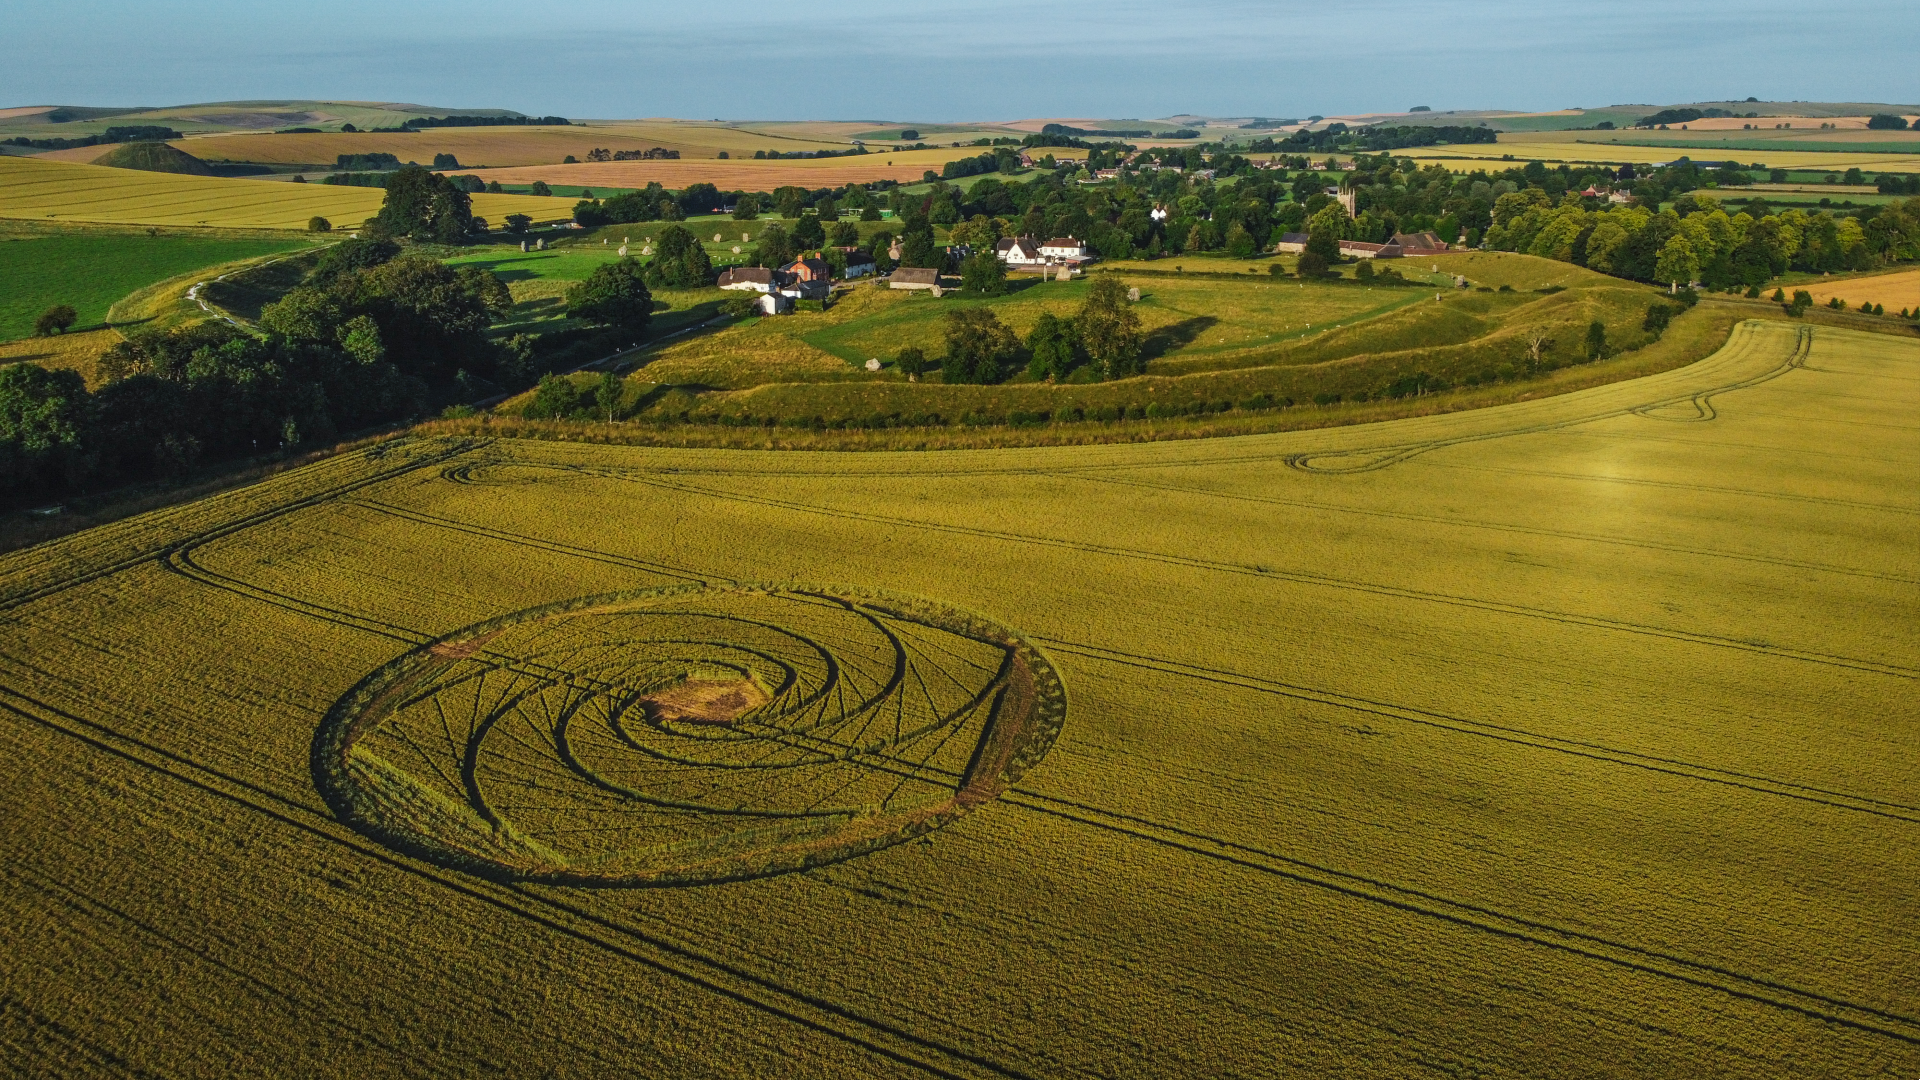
[(705, 701)]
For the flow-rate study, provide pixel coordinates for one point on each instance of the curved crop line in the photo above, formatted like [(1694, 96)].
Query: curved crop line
[(649, 949), (1381, 457), (576, 667), (227, 528)]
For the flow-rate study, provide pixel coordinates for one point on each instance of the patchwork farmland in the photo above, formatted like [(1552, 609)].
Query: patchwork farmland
[(1572, 737), (61, 191)]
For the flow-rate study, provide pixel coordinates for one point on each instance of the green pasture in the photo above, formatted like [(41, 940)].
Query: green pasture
[(91, 271), (1183, 318)]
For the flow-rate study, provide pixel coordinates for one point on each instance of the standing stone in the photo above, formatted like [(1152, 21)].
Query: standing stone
[(736, 249), (623, 251), (745, 236), (523, 245), (1134, 293), (874, 364), (716, 238)]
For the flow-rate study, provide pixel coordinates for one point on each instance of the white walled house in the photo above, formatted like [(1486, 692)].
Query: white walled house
[(1019, 251), (1065, 249)]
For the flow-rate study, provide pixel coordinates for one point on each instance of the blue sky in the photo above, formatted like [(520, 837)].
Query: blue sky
[(960, 59)]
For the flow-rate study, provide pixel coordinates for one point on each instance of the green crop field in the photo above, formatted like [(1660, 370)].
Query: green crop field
[(1215, 338), (1570, 738), (91, 271)]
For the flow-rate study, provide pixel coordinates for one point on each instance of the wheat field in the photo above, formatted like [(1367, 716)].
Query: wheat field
[(1570, 738), (499, 146), (63, 191)]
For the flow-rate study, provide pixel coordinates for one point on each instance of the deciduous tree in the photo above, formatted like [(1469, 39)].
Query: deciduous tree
[(1109, 329), (615, 294)]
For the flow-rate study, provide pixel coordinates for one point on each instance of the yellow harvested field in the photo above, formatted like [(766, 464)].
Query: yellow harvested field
[(1571, 738), (63, 191), (749, 175), (498, 146), (1469, 158), (1766, 123), (1895, 292), (76, 351)]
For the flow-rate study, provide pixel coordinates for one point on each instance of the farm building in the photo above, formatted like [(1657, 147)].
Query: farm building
[(909, 277), (1356, 249), (1292, 243), (774, 304), (1420, 243), (755, 278)]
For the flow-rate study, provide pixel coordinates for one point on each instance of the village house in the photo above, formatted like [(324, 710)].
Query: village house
[(1019, 251), (1066, 249), (807, 279), (754, 278), (1028, 253), (809, 269)]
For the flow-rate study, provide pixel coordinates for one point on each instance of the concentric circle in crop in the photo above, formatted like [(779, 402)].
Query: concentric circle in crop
[(688, 734)]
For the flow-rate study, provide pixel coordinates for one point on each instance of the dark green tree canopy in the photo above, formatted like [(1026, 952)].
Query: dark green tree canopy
[(679, 262), (1054, 347), (984, 274), (980, 348), (615, 294), (426, 206), (775, 248), (1109, 329), (808, 233)]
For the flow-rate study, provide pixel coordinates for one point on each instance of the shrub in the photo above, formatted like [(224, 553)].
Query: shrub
[(1312, 264), (319, 224), (57, 319), (1596, 340)]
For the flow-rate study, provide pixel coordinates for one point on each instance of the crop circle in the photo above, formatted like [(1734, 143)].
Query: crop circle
[(687, 734)]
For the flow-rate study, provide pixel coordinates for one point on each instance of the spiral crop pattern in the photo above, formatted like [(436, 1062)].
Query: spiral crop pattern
[(688, 734)]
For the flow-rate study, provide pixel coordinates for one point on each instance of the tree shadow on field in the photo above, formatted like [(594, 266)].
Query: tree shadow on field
[(1176, 336)]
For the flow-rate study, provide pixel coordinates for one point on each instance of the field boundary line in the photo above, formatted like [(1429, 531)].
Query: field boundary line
[(523, 540), (1380, 457), (1518, 736), (674, 960), (1747, 493), (160, 549), (1523, 530), (1736, 984), (1296, 576)]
